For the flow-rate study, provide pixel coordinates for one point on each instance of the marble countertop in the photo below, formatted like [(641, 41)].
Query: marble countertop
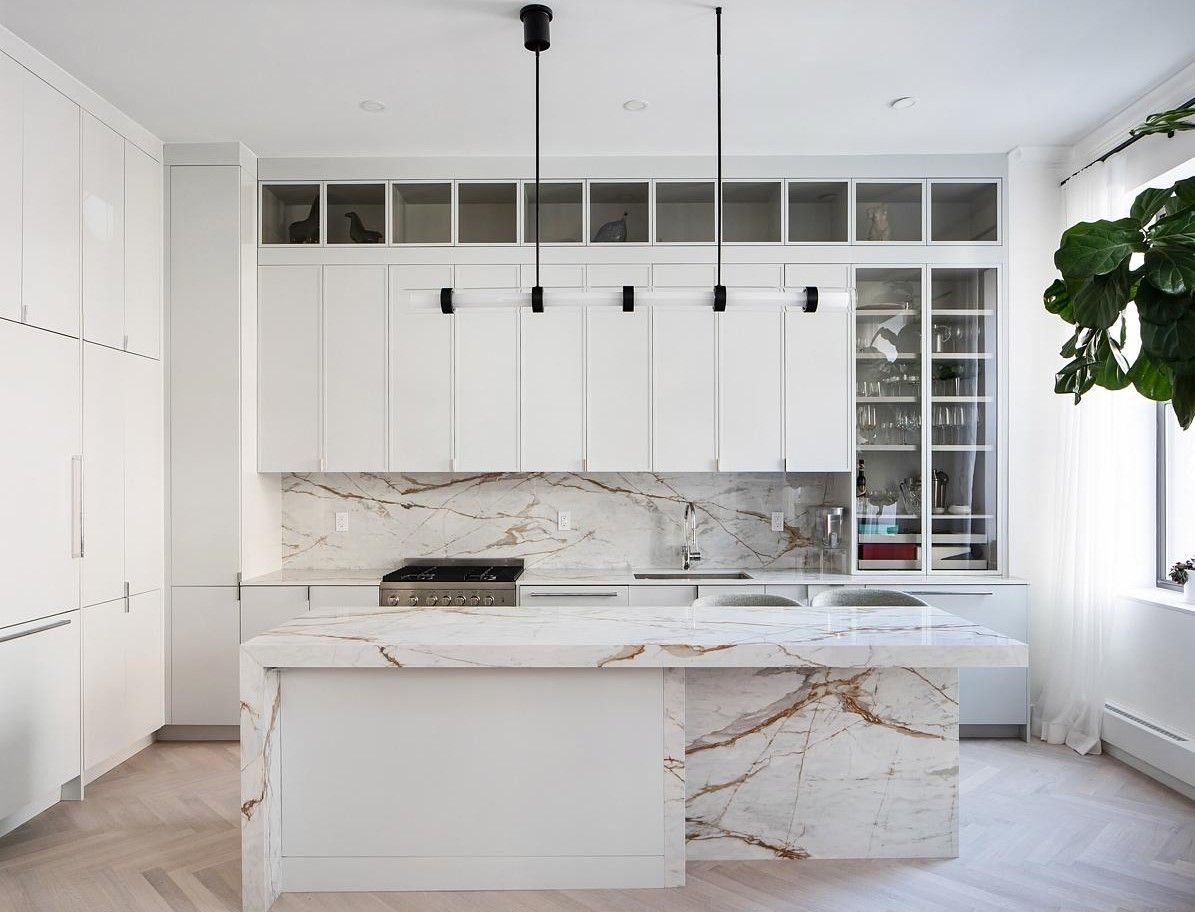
[(625, 576), (587, 637)]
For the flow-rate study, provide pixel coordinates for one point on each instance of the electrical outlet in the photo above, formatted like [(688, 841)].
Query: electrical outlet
[(777, 522), (564, 521), (342, 522)]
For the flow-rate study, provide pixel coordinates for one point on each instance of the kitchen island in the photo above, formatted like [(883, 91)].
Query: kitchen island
[(529, 748)]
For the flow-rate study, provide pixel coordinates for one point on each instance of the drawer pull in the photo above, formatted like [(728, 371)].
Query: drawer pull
[(42, 629), (572, 595), (947, 592)]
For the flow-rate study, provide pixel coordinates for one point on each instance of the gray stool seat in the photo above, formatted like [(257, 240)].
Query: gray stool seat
[(854, 596), (745, 600)]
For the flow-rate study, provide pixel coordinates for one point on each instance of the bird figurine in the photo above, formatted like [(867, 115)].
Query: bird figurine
[(612, 232), (359, 233), (306, 231)]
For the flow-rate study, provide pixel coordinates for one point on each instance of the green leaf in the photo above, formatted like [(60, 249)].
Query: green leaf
[(1183, 400), (1150, 379), (1171, 270), (1074, 378), (1176, 230), (1071, 347), (1154, 306), (1169, 342), (1185, 191), (1149, 202), (1097, 248), (1110, 371), (1058, 300), (1172, 121), (1099, 301)]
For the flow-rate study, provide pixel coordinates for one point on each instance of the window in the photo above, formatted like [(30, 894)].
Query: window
[(1176, 493)]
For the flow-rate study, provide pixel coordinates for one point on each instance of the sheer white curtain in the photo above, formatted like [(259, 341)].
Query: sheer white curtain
[(1101, 532)]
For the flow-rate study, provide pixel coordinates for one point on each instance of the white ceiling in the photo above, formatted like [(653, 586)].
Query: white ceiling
[(800, 76)]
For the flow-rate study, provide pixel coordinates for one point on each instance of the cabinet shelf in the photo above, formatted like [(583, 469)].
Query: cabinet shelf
[(887, 312), (962, 447), (961, 356), (880, 356), (889, 400), (887, 447), (963, 312), (961, 399)]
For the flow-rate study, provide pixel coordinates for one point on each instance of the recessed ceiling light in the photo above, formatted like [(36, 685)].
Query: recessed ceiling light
[(634, 104), (373, 107), (905, 101)]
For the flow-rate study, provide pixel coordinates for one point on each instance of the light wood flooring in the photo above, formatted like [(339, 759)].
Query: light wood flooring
[(1042, 829)]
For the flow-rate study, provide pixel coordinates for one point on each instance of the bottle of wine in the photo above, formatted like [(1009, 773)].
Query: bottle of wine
[(860, 482)]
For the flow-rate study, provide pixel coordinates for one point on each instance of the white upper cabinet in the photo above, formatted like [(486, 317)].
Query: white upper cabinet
[(420, 388), (354, 368), (289, 369), (618, 390), (683, 386), (750, 390), (142, 252), (103, 234), (39, 399), (819, 417), (144, 457), (553, 389), (104, 473), (10, 188), (50, 209), (486, 382)]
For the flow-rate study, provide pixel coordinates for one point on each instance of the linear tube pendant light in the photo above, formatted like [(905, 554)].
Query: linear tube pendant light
[(719, 288), (536, 38)]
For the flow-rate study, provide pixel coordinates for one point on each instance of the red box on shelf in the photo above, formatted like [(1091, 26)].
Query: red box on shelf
[(896, 551)]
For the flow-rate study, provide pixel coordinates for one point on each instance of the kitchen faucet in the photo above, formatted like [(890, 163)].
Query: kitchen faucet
[(689, 550)]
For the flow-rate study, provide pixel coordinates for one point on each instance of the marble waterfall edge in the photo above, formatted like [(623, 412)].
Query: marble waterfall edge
[(619, 520)]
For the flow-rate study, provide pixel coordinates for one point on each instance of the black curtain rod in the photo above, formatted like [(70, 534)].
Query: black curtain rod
[(1190, 102)]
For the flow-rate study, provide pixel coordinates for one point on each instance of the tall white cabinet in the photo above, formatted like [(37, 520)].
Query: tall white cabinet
[(486, 376), (618, 390), (684, 394), (82, 645), (224, 520), (552, 384)]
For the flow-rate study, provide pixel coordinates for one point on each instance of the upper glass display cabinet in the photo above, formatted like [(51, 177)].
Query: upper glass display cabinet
[(421, 213), (290, 214), (357, 213), (561, 215), (751, 212), (619, 212), (964, 212), (685, 212), (818, 212), (888, 212), (488, 213)]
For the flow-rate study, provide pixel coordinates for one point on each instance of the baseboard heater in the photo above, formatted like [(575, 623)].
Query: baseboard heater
[(1160, 748)]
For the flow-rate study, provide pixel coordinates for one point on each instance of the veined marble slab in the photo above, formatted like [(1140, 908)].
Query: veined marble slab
[(821, 763), (580, 637)]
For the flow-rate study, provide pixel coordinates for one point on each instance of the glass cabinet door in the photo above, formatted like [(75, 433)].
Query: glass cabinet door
[(962, 418), (888, 406)]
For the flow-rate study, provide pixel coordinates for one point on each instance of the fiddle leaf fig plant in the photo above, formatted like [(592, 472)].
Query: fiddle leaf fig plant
[(1148, 260)]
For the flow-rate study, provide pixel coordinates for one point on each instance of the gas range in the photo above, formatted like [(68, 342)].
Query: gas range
[(457, 582)]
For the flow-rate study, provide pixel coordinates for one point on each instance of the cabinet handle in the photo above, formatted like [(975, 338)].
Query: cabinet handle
[(947, 592), (572, 595), (42, 629), (127, 602), (76, 506)]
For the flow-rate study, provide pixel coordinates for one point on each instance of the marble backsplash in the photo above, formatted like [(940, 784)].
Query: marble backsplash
[(618, 520)]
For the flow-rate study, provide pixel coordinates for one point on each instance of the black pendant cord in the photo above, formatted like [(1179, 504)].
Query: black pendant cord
[(719, 289), (718, 50), (537, 199)]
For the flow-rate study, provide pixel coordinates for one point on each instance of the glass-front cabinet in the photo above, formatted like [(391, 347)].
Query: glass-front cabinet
[(925, 403)]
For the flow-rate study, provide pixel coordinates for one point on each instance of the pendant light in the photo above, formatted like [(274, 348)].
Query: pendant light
[(536, 38), (719, 288)]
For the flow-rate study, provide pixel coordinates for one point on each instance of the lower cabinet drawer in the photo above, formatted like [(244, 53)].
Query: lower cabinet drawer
[(707, 591), (40, 709), (265, 607), (799, 594), (574, 595), (988, 696), (322, 598), (662, 596)]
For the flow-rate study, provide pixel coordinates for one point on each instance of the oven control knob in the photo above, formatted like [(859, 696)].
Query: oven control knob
[(489, 600), (432, 600), (414, 599), (460, 600), (475, 600), (393, 600)]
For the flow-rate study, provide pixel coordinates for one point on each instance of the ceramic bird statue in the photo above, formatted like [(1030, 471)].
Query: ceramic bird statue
[(306, 231), (612, 232), (359, 233)]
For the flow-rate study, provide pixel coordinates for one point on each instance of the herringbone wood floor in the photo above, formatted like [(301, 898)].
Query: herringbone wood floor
[(1042, 829)]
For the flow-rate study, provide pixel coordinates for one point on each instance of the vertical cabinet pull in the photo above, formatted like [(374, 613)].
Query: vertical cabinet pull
[(76, 506), (127, 603)]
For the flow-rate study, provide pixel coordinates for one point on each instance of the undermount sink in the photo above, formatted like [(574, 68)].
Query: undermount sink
[(695, 575)]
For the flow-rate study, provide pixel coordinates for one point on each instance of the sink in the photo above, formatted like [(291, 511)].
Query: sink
[(695, 575)]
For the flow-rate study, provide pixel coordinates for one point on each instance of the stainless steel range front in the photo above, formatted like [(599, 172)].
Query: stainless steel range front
[(461, 582)]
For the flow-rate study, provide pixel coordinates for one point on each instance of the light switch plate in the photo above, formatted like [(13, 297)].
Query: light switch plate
[(342, 522), (564, 521), (777, 522)]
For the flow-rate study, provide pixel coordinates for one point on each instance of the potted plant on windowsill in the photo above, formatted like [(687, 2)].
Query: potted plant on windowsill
[(1181, 573)]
